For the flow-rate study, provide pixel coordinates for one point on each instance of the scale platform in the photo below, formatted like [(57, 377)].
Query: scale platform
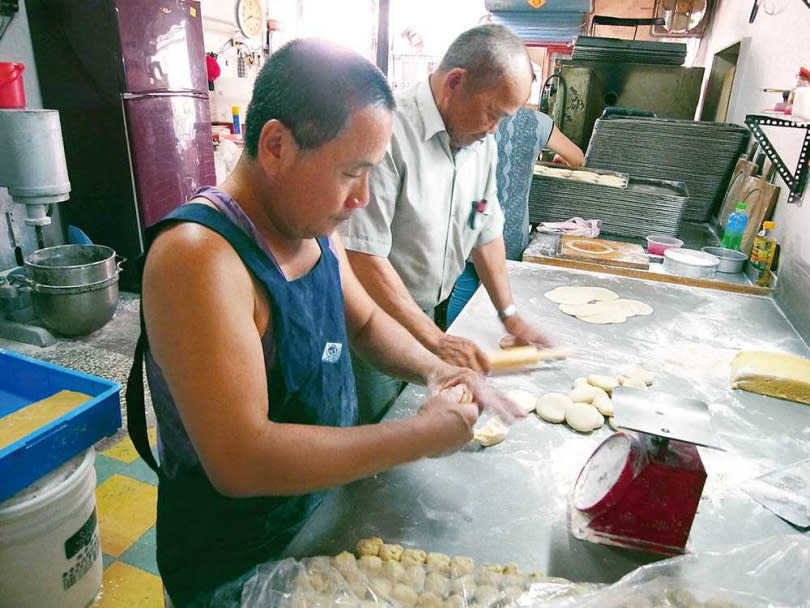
[(641, 487)]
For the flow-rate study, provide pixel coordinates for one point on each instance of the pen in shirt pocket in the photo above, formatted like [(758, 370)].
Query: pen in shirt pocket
[(478, 208)]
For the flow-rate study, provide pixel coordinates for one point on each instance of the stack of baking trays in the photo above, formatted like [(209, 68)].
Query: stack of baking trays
[(700, 154), (628, 206), (590, 48)]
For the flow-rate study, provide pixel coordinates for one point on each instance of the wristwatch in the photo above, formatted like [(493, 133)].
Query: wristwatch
[(507, 312)]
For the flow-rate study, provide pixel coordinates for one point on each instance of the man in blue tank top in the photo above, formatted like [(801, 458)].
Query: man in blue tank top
[(249, 305)]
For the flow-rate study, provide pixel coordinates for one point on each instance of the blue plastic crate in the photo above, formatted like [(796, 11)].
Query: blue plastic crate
[(24, 381)]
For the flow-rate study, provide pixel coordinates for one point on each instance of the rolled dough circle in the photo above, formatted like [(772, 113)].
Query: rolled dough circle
[(580, 295)]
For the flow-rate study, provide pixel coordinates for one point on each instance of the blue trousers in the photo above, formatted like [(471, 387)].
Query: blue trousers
[(463, 290)]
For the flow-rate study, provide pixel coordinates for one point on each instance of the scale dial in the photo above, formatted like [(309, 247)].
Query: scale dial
[(607, 474), (249, 17)]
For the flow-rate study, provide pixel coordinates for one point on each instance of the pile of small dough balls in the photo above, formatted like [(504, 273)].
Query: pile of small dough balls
[(588, 402), (414, 578)]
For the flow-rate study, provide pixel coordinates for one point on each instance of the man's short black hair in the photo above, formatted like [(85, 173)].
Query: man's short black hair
[(312, 87)]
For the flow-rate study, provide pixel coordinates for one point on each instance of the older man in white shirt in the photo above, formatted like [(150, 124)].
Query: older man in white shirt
[(433, 203)]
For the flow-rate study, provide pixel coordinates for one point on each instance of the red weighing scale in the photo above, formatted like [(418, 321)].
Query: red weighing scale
[(641, 489)]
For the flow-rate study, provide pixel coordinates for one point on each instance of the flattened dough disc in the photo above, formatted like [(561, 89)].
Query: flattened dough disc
[(580, 295)]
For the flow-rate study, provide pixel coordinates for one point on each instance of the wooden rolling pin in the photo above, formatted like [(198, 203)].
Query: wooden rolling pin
[(523, 356)]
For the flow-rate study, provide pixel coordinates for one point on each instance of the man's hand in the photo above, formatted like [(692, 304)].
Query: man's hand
[(462, 352), (483, 395), (524, 332), (454, 422)]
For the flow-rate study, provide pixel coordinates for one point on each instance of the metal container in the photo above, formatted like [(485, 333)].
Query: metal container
[(74, 288), (731, 260), (690, 263)]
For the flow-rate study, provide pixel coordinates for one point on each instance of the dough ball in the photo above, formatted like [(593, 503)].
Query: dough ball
[(460, 565), (464, 585), (604, 404), (404, 594), (489, 577), (525, 400), (632, 382), (436, 583), (583, 417), (345, 562), (370, 564), (381, 586), (606, 383), (414, 576), (486, 594), (439, 562), (510, 568), (429, 600), (612, 423), (355, 576), (492, 433), (584, 393), (640, 374), (580, 295), (459, 393), (319, 562), (455, 601), (392, 570), (369, 546), (391, 553), (413, 557), (319, 581), (359, 589), (580, 382), (551, 407)]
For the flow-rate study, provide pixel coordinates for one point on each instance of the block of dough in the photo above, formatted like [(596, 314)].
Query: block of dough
[(580, 295), (584, 393), (583, 417), (632, 382), (28, 419), (604, 404), (773, 374), (641, 374), (369, 546), (525, 400), (492, 433), (606, 383), (551, 407)]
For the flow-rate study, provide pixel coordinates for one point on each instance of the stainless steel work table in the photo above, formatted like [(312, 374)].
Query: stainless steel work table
[(508, 502)]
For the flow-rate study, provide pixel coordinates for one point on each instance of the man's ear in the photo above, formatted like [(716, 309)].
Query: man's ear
[(276, 145), (454, 79)]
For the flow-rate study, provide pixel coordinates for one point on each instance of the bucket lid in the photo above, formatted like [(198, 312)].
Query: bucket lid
[(48, 487)]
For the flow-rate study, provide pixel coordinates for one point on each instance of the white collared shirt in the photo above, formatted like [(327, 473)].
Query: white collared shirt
[(422, 201)]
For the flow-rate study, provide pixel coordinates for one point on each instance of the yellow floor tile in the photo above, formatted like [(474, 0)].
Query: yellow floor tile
[(123, 451), (126, 509), (152, 434), (126, 585)]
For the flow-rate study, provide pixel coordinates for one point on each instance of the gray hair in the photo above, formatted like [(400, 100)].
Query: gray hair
[(488, 53)]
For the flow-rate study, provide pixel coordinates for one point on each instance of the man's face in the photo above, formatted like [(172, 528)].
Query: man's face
[(321, 187), (470, 117)]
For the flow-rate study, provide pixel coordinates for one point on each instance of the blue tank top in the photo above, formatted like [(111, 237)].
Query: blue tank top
[(205, 539)]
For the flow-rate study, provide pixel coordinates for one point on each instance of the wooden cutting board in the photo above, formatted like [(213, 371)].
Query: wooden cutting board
[(601, 251)]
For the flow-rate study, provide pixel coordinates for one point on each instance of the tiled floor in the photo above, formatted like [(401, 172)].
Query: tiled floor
[(126, 499)]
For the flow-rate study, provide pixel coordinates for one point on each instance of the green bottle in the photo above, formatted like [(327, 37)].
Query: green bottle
[(735, 228)]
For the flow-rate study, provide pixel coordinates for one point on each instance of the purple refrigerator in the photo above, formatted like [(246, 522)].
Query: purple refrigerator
[(129, 80)]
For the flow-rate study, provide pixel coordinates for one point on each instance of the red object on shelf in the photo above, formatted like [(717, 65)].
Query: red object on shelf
[(12, 93)]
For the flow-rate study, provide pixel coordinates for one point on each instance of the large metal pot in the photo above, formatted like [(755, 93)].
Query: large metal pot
[(74, 288)]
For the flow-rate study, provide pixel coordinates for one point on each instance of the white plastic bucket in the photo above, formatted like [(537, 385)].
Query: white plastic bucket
[(49, 545)]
